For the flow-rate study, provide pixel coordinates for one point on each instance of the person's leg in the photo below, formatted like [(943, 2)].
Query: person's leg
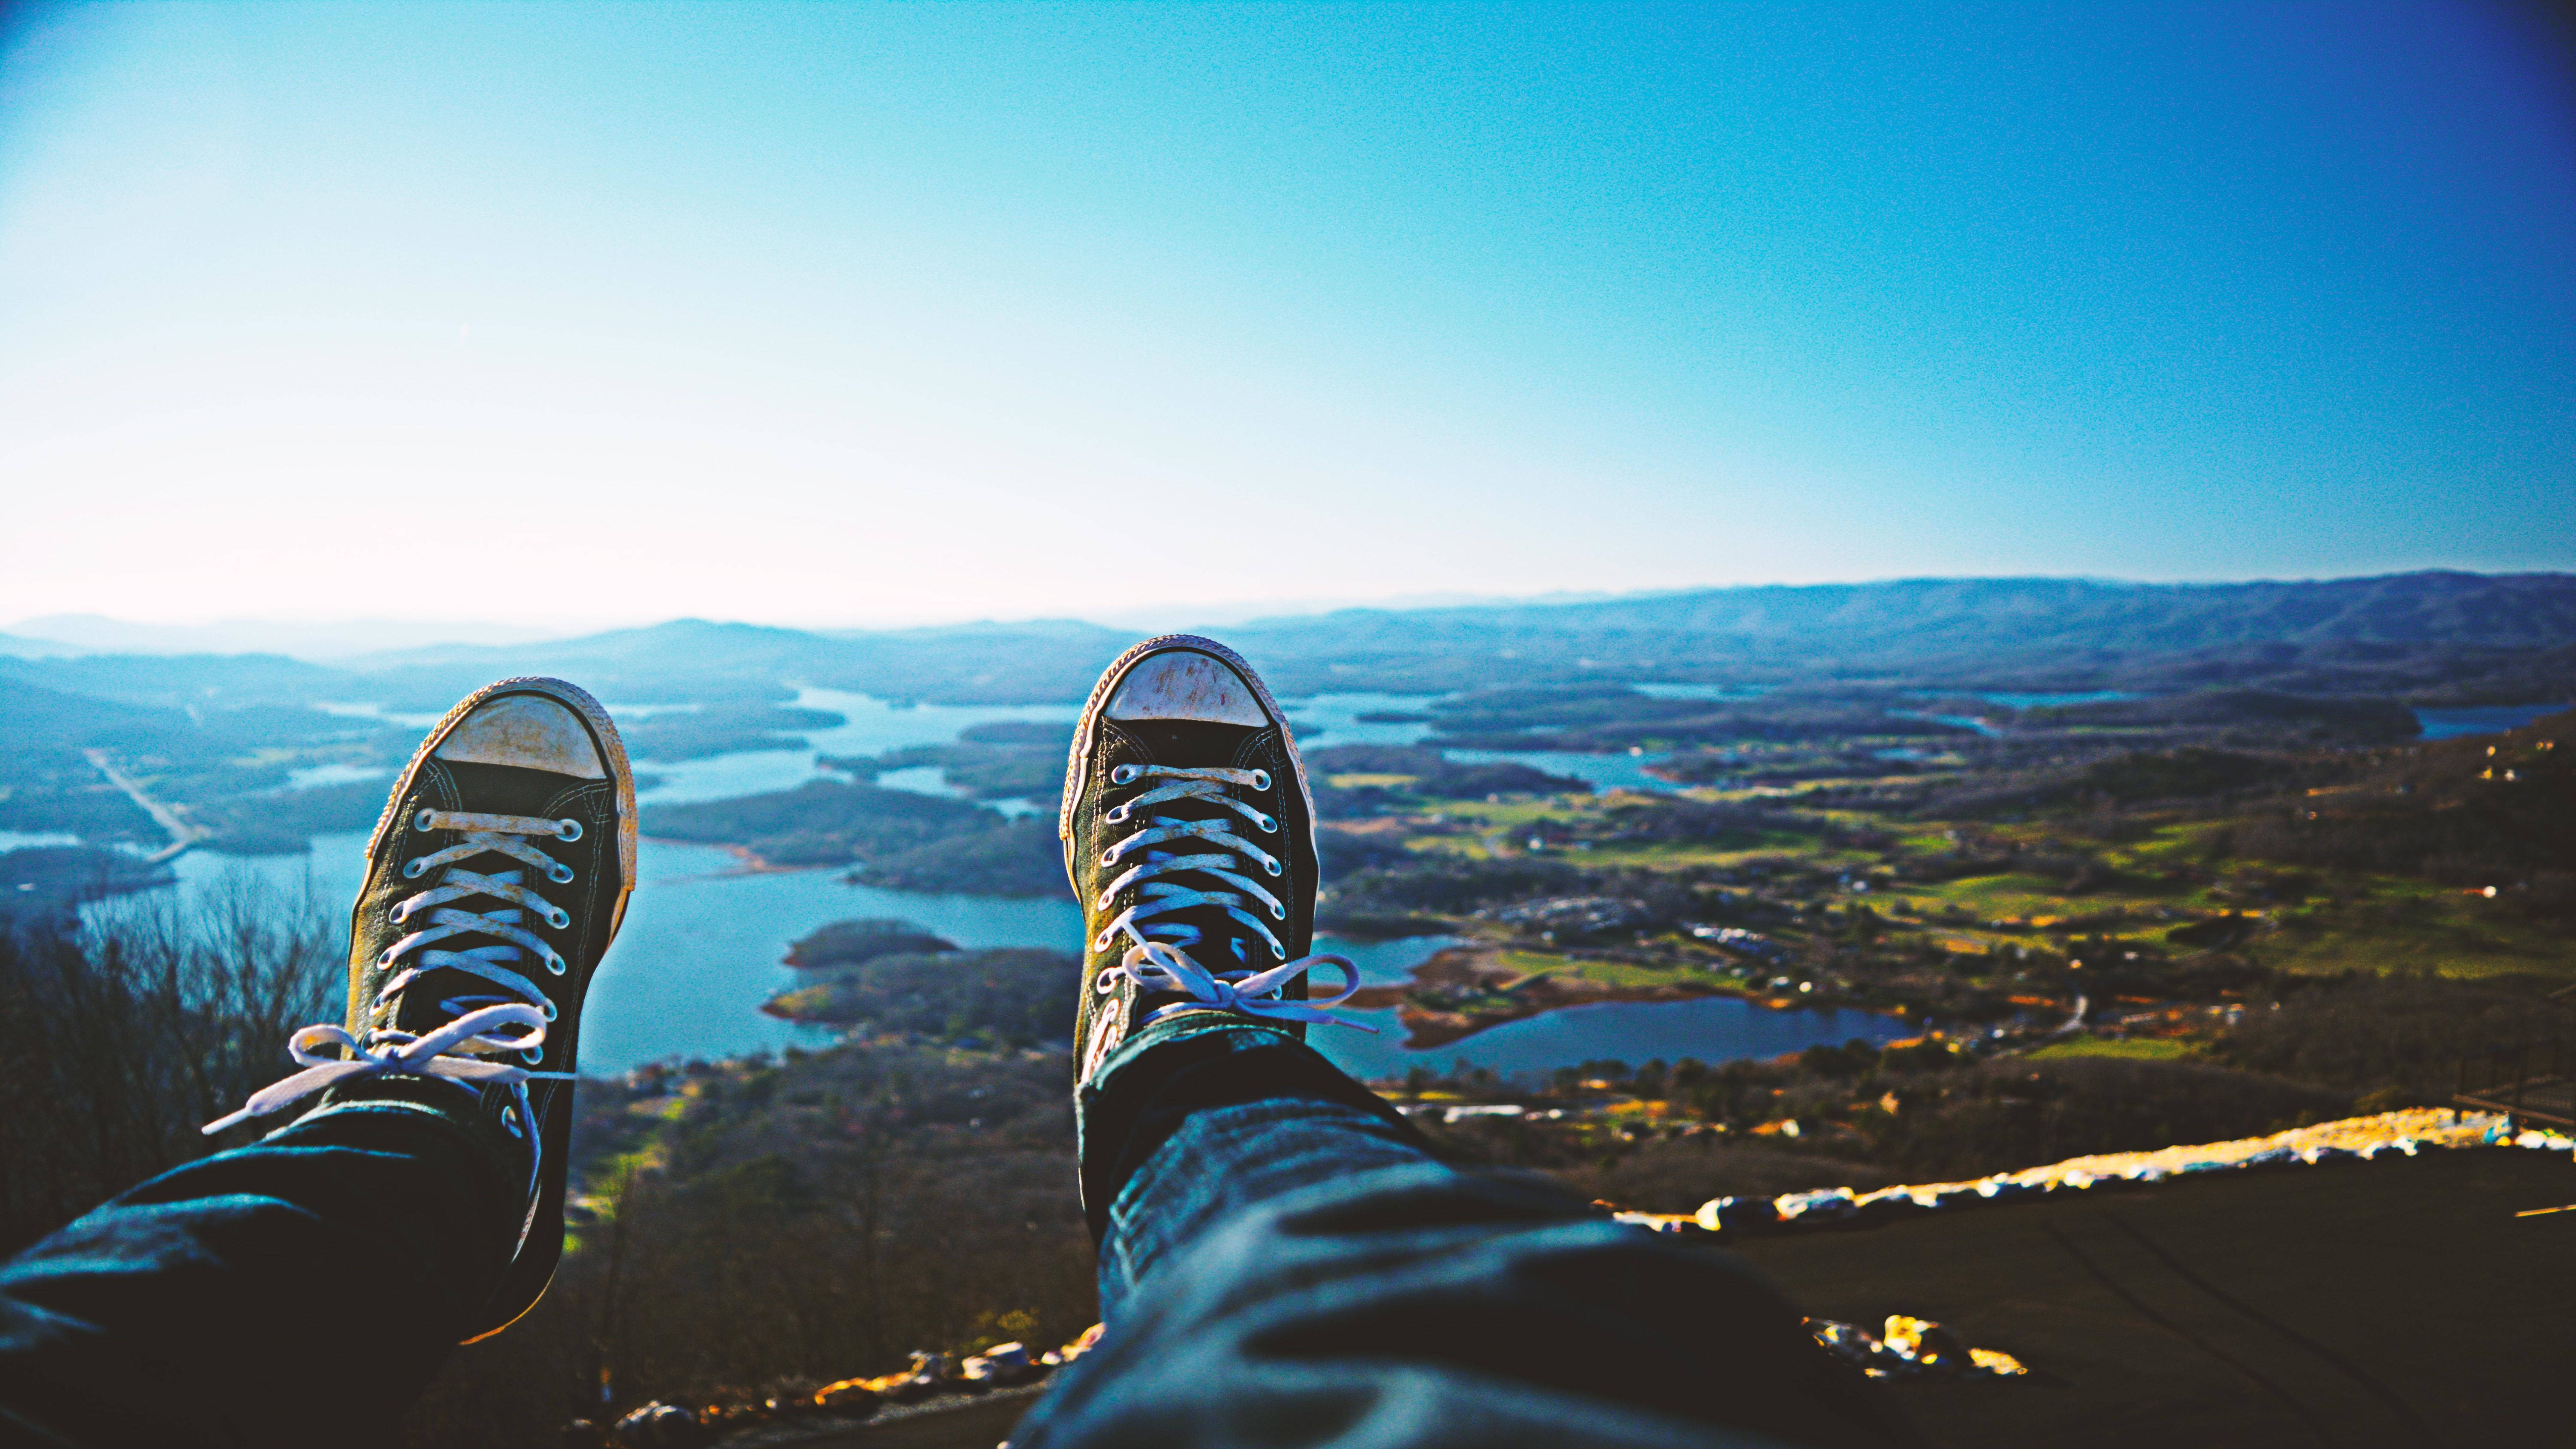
[(1283, 1261), (302, 1289), (283, 1293)]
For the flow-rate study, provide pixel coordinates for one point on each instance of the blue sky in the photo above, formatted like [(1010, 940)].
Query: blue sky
[(850, 313)]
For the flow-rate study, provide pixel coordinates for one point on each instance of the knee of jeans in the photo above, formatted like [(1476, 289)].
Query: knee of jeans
[(1375, 1215)]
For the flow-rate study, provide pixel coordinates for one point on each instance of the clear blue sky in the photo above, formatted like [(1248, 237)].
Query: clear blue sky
[(852, 313)]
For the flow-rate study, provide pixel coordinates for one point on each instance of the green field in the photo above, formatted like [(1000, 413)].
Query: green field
[(2346, 921), (2146, 1049)]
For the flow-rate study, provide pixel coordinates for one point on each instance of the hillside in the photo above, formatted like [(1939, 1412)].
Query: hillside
[(2434, 635), (1880, 672), (2072, 633)]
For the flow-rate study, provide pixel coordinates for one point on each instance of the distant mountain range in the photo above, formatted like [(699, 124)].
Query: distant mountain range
[(2431, 637)]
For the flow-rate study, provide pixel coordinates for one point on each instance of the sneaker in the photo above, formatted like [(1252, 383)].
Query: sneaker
[(1189, 838), (496, 878)]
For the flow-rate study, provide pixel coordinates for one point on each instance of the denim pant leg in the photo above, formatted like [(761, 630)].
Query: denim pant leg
[(299, 1290), (1283, 1262)]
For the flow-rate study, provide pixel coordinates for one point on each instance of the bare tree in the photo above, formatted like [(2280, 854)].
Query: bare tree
[(127, 1025)]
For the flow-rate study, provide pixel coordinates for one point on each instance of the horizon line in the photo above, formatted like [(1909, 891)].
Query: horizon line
[(1158, 618)]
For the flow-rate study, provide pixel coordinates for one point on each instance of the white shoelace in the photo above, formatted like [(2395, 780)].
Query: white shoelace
[(1157, 962), (458, 1052)]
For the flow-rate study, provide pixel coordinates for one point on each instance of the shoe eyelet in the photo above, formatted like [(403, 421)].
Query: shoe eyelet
[(414, 866), (1278, 953), (1125, 774), (1100, 942), (559, 873), (1278, 913), (510, 1120), (399, 913), (1268, 824), (533, 1055), (420, 822), (550, 1011), (1101, 904), (1261, 779), (1117, 816), (567, 830), (1109, 856), (558, 918), (554, 964), (1269, 865)]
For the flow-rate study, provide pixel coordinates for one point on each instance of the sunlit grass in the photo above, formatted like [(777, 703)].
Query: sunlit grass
[(1676, 856), (2348, 922), (1623, 974), (1525, 964), (2146, 1049), (2459, 937)]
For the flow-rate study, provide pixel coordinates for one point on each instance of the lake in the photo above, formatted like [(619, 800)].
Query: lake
[(1711, 1028), (2489, 719), (703, 939), (874, 727), (1601, 772)]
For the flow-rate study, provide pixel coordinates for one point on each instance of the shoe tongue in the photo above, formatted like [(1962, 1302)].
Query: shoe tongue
[(506, 789), (1203, 745), (1189, 743)]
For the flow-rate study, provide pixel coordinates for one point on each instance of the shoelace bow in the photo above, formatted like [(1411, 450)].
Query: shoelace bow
[(1156, 961), (460, 1051)]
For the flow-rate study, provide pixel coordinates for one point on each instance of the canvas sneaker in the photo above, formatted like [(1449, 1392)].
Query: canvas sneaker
[(496, 878), (1189, 839)]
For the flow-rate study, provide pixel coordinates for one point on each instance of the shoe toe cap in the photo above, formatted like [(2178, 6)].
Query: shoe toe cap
[(1184, 684), (530, 731)]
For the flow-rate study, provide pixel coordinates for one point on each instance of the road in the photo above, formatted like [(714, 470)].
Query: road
[(182, 834)]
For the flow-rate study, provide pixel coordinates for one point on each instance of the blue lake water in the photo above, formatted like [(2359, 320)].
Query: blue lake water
[(1324, 720), (874, 727), (2054, 701), (1711, 692), (1333, 719), (1711, 1028), (702, 946), (703, 941), (2491, 719), (1965, 722), (1603, 772)]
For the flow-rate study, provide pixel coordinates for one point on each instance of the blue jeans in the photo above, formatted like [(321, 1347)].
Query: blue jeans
[(1283, 1262), (299, 1290)]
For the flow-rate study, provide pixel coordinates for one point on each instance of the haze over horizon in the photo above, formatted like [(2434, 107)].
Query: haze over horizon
[(329, 639), (873, 315)]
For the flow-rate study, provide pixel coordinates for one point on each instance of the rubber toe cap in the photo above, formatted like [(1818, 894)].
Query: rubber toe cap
[(529, 731), (1185, 684)]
